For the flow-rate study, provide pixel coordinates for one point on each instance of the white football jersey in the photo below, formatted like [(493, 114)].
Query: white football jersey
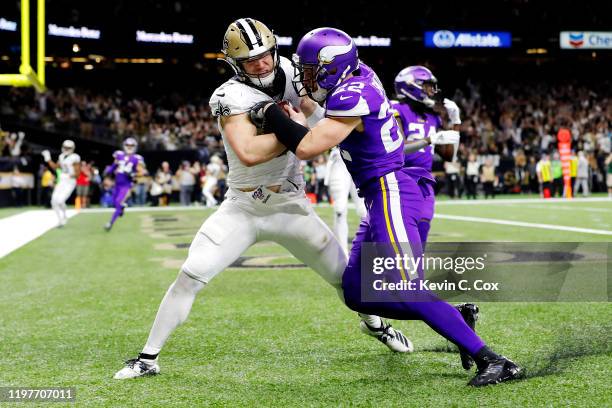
[(235, 97), (213, 170), (66, 163), (336, 169)]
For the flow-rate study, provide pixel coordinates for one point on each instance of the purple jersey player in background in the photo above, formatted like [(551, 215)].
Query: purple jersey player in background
[(124, 168), (358, 118), (415, 88)]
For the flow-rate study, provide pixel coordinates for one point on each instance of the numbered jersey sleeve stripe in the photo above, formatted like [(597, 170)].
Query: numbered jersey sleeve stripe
[(360, 109)]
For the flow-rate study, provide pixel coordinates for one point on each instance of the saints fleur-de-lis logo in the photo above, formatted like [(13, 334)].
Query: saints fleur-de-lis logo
[(222, 110)]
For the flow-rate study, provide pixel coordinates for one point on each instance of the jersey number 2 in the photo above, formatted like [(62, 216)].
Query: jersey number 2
[(385, 130)]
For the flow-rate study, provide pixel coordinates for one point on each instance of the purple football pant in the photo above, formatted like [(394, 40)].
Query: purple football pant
[(121, 192), (394, 210), (427, 213)]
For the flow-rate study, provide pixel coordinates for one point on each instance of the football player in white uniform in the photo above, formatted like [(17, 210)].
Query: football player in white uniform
[(213, 170), (70, 165), (340, 185), (265, 200)]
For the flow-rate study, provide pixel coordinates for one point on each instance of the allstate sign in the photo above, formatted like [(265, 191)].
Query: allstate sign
[(575, 40), (467, 39)]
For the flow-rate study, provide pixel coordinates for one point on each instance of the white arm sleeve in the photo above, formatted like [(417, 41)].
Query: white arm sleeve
[(316, 116)]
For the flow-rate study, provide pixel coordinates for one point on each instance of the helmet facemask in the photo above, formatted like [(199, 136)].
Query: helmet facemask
[(130, 145), (260, 80), (68, 147), (307, 78), (418, 84)]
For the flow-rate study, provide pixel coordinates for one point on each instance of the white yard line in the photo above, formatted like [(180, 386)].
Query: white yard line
[(567, 208), (525, 200), (523, 224), (17, 230), (145, 209)]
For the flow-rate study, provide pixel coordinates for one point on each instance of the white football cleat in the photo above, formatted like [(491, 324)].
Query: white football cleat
[(137, 368), (390, 337)]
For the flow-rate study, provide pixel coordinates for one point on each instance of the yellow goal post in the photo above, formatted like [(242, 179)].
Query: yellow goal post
[(27, 76)]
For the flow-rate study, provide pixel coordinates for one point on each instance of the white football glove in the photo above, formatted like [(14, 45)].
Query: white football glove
[(453, 112), (46, 155), (445, 137)]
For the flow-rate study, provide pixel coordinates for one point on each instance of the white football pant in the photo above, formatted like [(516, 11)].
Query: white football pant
[(242, 220), (207, 191), (61, 193), (340, 186)]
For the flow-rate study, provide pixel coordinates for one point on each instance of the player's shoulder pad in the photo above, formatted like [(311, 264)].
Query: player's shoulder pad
[(286, 66), (289, 93), (234, 97), (75, 158), (117, 154), (348, 100), (139, 158)]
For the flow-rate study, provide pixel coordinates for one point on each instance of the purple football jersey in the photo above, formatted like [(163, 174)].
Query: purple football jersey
[(125, 166), (416, 127), (378, 148)]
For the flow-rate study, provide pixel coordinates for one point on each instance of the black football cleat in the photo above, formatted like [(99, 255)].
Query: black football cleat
[(495, 371), (469, 312)]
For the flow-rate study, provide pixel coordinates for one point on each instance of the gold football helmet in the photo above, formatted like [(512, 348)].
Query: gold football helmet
[(247, 39)]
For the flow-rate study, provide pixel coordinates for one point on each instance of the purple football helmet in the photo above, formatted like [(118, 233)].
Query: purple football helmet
[(129, 145), (410, 83), (324, 57)]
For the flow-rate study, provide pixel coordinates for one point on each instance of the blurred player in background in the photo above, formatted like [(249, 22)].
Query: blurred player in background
[(69, 166), (358, 119), (265, 200), (124, 168), (608, 163), (416, 88), (213, 171), (340, 186)]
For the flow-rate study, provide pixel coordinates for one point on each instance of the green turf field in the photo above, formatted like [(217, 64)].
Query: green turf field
[(7, 212), (78, 301)]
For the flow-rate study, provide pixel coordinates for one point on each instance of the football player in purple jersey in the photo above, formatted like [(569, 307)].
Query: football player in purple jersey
[(123, 168), (359, 119), (415, 89)]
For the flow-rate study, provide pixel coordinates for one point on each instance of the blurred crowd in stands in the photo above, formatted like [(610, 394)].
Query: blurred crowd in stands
[(167, 123), (509, 142)]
